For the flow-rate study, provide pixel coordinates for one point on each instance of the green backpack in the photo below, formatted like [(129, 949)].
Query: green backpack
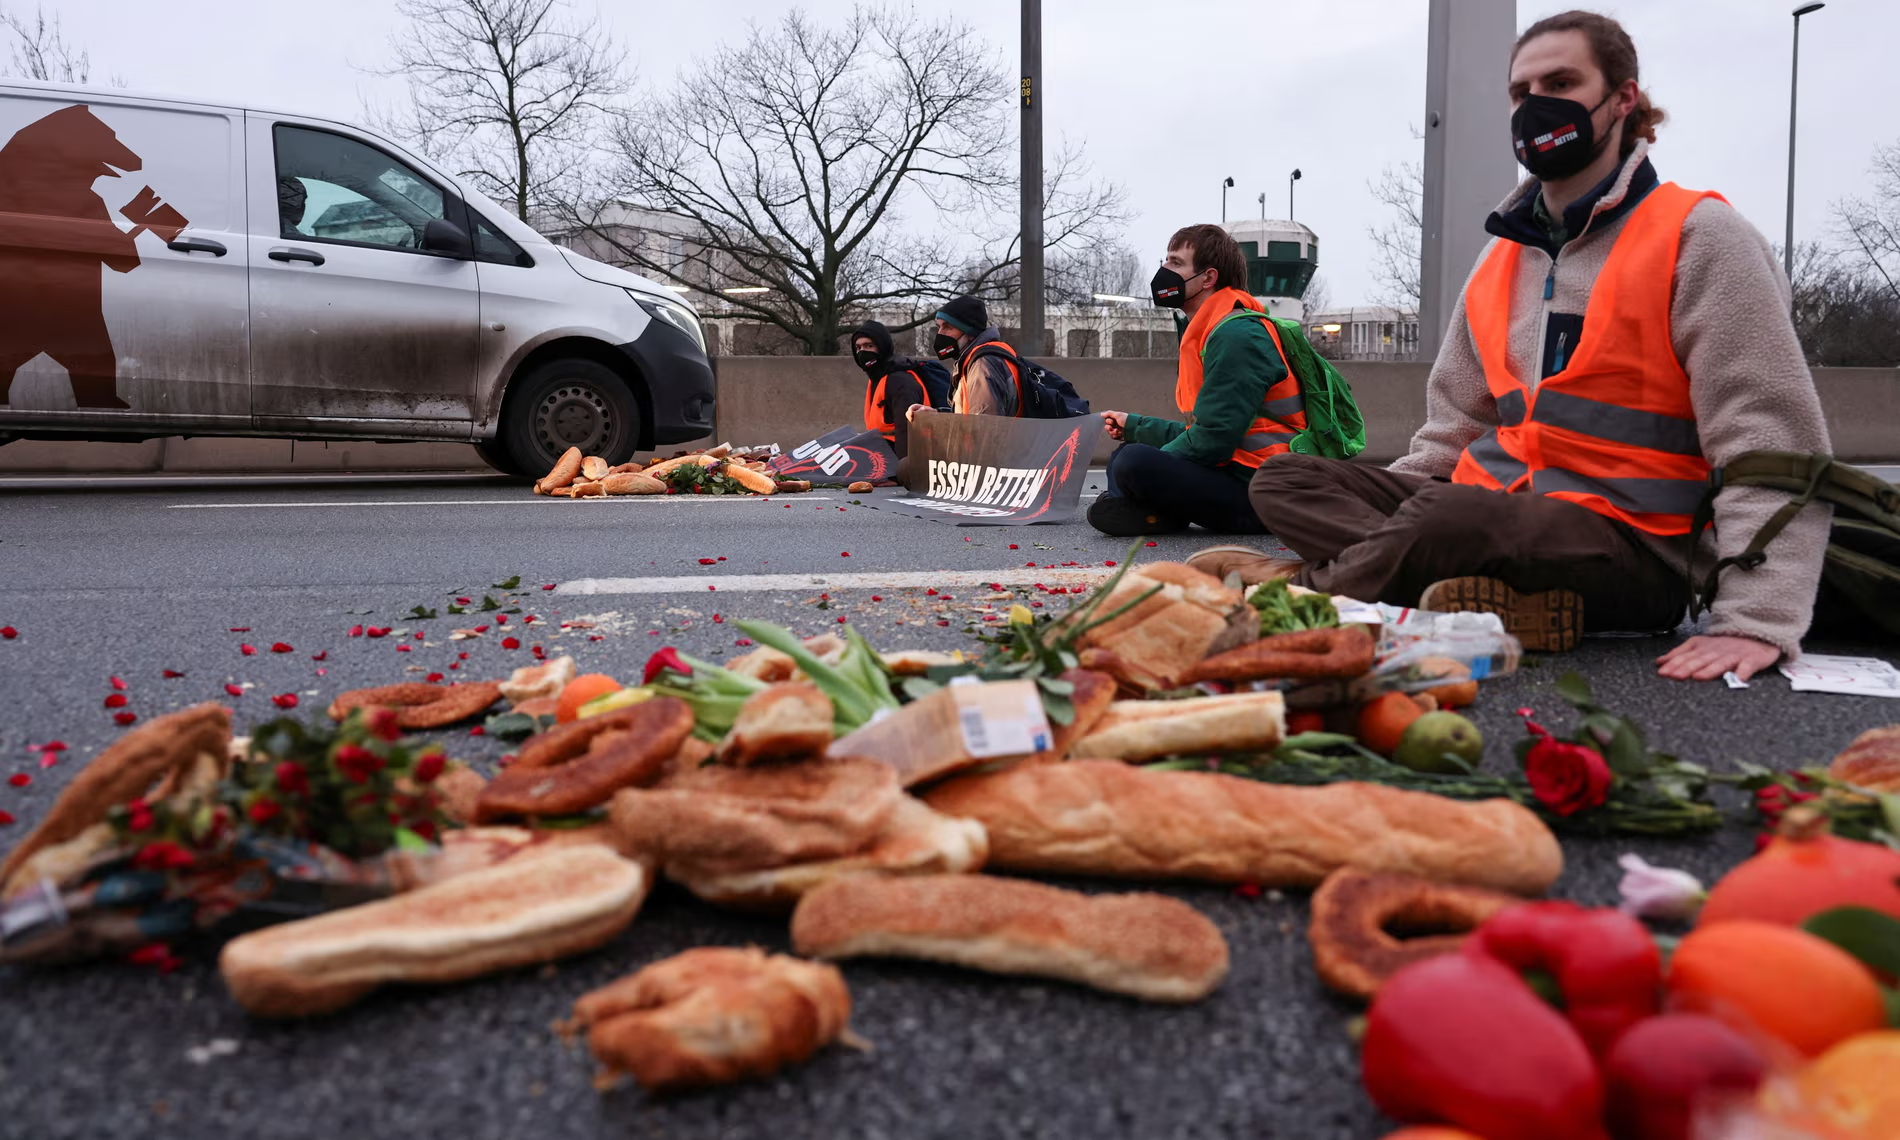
[(1860, 577), (1334, 427)]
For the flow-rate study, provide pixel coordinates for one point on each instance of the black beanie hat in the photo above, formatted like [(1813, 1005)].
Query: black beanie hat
[(967, 313), (879, 336)]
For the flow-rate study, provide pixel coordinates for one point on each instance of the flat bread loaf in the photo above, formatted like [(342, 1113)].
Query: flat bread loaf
[(1144, 945), (1103, 817), (527, 909)]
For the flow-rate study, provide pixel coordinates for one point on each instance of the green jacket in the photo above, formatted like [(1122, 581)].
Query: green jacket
[(1240, 365)]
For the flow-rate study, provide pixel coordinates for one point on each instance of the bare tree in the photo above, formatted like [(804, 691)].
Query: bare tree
[(1870, 227), (1075, 276), (835, 169), (1396, 241), (40, 50), (1846, 316), (1318, 296), (510, 92)]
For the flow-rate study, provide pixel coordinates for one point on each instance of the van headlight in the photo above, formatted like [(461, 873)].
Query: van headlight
[(673, 313)]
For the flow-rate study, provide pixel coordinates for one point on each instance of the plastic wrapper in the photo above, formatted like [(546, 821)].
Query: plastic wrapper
[(114, 907)]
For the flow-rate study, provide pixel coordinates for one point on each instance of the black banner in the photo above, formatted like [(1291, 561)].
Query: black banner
[(993, 470), (844, 455)]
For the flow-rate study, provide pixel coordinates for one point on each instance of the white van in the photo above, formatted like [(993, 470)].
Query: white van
[(177, 268)]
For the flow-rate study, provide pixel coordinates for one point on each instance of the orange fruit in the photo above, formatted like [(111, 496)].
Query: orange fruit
[(1384, 719), (1804, 991), (1850, 1091), (579, 691)]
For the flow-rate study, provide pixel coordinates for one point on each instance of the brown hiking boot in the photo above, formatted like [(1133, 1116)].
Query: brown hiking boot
[(1252, 566), (1547, 622)]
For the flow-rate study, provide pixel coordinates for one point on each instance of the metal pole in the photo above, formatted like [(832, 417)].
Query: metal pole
[(1794, 86), (1225, 186), (1289, 198), (1029, 341)]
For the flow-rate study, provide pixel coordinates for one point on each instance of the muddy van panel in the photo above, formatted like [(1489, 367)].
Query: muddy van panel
[(261, 273), (123, 297)]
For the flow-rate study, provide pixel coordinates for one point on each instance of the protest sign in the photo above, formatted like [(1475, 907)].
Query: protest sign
[(844, 455), (992, 470)]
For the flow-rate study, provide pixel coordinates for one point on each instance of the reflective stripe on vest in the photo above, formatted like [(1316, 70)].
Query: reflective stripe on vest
[(1282, 412), (1614, 431)]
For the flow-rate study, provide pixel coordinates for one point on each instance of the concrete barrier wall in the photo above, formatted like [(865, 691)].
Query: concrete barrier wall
[(790, 399)]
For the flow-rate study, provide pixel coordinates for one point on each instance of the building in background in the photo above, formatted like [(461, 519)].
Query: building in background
[(1366, 332), (1281, 260)]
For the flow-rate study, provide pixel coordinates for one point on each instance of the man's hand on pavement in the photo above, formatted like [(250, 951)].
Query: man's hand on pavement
[(1707, 657), (1115, 422)]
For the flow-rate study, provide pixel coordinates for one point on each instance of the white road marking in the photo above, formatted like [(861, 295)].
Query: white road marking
[(888, 580), (498, 502)]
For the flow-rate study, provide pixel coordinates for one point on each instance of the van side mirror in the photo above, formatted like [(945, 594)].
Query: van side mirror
[(447, 238)]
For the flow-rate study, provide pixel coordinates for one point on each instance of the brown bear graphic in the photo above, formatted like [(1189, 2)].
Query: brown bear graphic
[(55, 232)]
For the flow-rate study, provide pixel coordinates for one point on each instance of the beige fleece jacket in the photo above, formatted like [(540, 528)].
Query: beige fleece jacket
[(1748, 380)]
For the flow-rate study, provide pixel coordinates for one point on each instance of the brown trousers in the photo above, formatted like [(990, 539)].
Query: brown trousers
[(1377, 535)]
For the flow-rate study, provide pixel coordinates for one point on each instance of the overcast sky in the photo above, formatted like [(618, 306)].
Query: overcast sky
[(1172, 97)]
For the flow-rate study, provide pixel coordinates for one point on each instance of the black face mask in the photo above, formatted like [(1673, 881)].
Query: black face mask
[(1169, 289), (1555, 138), (945, 345), (866, 359)]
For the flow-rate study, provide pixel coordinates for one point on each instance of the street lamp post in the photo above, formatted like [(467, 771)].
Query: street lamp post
[(1794, 76), (1263, 205), (1224, 188), (1289, 192), (1030, 338)]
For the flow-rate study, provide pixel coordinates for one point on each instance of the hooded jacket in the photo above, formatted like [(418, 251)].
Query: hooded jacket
[(1732, 333), (891, 388)]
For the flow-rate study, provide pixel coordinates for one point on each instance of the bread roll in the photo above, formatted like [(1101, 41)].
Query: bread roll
[(712, 1016), (527, 909), (1144, 945), (790, 720), (1872, 761), (1103, 817)]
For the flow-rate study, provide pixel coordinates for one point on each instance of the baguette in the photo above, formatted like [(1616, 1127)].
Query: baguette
[(594, 467), (525, 910), (1102, 817), (1143, 730), (1339, 652), (916, 841), (661, 468), (633, 483), (751, 480), (1144, 945), (566, 469)]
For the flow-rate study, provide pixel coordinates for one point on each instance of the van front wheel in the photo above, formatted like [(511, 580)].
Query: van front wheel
[(568, 403)]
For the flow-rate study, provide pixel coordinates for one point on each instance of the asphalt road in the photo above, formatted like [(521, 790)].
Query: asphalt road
[(131, 584)]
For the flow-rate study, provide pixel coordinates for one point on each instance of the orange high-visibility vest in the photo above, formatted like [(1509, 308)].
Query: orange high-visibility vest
[(1615, 431), (1282, 413), (877, 418)]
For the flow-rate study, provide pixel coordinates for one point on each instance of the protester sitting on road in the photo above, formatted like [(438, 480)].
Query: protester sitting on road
[(1617, 341), (1232, 381), (895, 384), (985, 384)]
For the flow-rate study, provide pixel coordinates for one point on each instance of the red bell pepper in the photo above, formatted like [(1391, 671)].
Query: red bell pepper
[(1605, 963), (1461, 1039)]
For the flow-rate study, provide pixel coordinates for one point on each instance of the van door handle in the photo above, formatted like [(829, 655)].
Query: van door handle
[(197, 245), (295, 254)]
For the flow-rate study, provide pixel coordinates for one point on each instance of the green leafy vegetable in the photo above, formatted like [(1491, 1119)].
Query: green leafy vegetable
[(1283, 611)]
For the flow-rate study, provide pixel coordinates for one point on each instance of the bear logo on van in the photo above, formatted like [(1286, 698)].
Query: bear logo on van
[(55, 233)]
